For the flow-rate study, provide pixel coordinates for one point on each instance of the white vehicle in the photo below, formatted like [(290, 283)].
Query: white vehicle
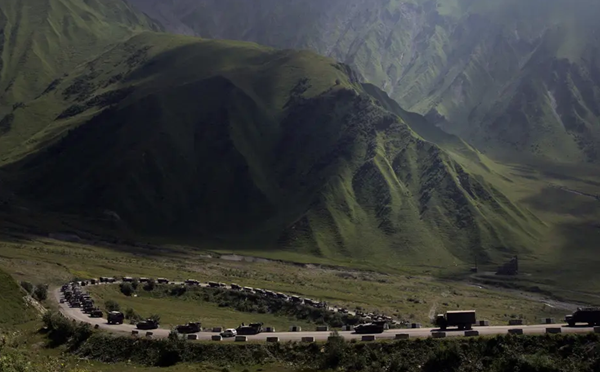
[(229, 333)]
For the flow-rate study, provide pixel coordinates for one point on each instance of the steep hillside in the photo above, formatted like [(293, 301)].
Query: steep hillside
[(13, 308), (40, 40), (512, 77), (252, 147)]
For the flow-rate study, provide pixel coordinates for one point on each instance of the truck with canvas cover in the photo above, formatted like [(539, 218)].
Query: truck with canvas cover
[(192, 327), (250, 329), (588, 315), (463, 319), (115, 317), (147, 324)]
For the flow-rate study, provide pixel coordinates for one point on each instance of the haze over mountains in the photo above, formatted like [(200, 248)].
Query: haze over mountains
[(125, 130), (514, 77)]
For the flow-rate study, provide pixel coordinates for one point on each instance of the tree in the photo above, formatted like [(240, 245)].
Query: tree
[(132, 315), (28, 287), (40, 292), (135, 283), (150, 285), (127, 289), (111, 305)]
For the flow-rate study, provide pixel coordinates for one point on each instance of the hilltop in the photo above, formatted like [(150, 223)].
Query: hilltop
[(515, 78)]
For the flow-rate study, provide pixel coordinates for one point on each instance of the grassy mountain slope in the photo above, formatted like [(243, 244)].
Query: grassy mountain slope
[(512, 77), (42, 40), (255, 148), (13, 308)]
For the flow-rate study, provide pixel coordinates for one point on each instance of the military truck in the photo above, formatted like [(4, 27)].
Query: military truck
[(115, 317), (250, 329), (192, 327), (162, 281), (147, 324), (589, 315), (96, 313), (374, 327), (463, 319), (192, 282)]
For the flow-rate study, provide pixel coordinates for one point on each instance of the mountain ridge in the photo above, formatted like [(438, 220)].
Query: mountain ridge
[(462, 63)]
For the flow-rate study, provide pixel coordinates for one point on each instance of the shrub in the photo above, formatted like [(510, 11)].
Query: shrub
[(126, 288), (40, 292), (150, 285), (155, 317), (111, 305)]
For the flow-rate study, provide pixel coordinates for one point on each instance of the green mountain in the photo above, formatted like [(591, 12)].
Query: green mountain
[(515, 77), (247, 146), (42, 40), (230, 145)]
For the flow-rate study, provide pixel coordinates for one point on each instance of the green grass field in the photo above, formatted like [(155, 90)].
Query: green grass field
[(407, 296)]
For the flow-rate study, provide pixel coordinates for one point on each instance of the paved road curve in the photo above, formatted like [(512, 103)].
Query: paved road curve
[(78, 315)]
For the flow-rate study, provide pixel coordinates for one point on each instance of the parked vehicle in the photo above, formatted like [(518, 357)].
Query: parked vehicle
[(463, 319), (589, 315)]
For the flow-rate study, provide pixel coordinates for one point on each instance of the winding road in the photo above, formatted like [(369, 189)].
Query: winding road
[(77, 315)]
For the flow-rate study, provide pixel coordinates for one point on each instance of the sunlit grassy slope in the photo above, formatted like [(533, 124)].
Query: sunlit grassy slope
[(13, 308), (40, 40)]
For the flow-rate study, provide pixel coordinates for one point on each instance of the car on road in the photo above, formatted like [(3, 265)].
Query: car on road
[(374, 327), (230, 332)]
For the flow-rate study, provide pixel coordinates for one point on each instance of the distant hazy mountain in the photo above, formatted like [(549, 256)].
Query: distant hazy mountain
[(514, 77)]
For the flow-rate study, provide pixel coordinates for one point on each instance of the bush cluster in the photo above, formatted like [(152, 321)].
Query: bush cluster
[(64, 331), (548, 353), (256, 303)]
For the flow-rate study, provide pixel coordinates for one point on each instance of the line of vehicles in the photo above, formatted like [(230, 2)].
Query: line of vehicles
[(367, 316), (461, 319)]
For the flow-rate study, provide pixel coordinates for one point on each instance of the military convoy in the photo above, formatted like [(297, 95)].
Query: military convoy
[(588, 315)]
